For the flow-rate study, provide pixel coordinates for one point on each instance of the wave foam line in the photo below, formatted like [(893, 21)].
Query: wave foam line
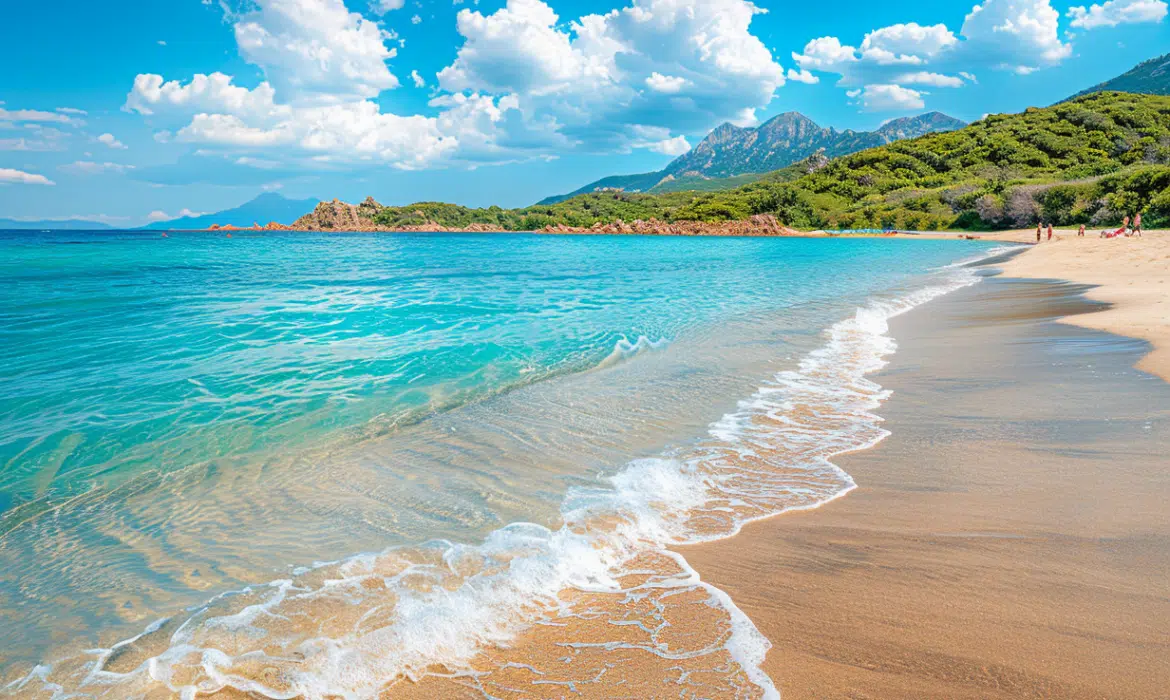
[(356, 627)]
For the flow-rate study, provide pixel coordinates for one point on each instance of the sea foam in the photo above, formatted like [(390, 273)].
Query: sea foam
[(356, 627)]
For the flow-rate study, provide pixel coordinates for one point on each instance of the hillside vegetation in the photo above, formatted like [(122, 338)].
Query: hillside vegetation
[(1150, 77), (1091, 160), (731, 156)]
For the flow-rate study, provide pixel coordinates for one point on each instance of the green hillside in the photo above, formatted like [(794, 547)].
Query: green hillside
[(1150, 77), (731, 156), (1089, 161)]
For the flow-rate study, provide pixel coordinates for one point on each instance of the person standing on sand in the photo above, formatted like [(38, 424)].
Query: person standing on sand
[(1137, 224), (1038, 227), (1081, 233), (1050, 232)]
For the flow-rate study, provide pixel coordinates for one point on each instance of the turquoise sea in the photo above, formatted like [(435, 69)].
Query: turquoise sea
[(184, 418)]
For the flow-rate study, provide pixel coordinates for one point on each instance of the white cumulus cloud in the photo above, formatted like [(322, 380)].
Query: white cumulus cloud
[(888, 98), (1115, 12), (109, 140), (524, 83), (1016, 35), (802, 76), (381, 7), (9, 176), (316, 50), (668, 84), (60, 116), (907, 43), (671, 147), (884, 54), (931, 79), (698, 59), (1019, 35)]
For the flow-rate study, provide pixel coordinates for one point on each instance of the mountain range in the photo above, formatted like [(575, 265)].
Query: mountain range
[(734, 153), (269, 206), (1150, 77), (53, 225)]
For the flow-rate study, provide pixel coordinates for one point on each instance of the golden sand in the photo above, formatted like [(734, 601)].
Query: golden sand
[(1132, 274), (1010, 539)]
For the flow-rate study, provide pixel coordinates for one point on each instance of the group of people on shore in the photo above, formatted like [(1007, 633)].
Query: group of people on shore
[(1125, 229)]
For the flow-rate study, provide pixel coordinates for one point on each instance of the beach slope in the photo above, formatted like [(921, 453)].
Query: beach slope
[(1009, 540), (1131, 274)]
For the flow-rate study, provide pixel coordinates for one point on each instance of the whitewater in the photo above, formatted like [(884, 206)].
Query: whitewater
[(607, 590)]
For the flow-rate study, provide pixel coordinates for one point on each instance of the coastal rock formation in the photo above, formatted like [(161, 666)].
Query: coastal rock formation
[(759, 225), (348, 218), (338, 216)]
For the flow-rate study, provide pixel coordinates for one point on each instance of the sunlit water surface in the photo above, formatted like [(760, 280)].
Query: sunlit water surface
[(182, 417)]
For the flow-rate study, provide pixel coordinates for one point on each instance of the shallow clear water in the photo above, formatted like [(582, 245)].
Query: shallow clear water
[(186, 415)]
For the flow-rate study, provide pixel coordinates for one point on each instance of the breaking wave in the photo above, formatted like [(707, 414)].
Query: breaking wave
[(531, 607)]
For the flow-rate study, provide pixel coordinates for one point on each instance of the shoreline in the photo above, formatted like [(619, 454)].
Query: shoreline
[(921, 582), (1132, 275)]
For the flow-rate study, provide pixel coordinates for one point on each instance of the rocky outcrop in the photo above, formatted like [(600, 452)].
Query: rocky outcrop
[(337, 216), (760, 225), (348, 218)]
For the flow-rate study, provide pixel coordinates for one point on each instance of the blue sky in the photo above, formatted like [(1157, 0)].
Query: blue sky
[(140, 110)]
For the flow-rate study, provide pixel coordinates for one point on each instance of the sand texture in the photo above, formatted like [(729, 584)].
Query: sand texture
[(1010, 539), (1131, 274)]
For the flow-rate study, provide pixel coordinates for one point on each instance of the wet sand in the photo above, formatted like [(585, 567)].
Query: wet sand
[(1009, 540), (1132, 274)]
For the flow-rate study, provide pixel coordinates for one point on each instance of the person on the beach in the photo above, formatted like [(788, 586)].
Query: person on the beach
[(1137, 224), (1038, 227), (1050, 232), (1081, 233), (1125, 225)]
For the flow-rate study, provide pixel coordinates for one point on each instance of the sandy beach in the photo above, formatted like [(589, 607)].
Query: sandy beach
[(1010, 538), (1131, 274)]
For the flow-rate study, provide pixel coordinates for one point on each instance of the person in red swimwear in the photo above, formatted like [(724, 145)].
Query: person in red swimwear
[(1050, 232)]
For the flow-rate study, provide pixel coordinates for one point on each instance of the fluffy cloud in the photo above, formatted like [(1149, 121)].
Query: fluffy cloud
[(19, 177), (888, 98), (523, 84), (381, 7), (1115, 12), (802, 76), (61, 116), (1019, 35), (111, 141), (931, 79), (886, 56), (209, 94), (679, 64), (1016, 35), (518, 49), (665, 83), (316, 50), (671, 147), (903, 44)]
